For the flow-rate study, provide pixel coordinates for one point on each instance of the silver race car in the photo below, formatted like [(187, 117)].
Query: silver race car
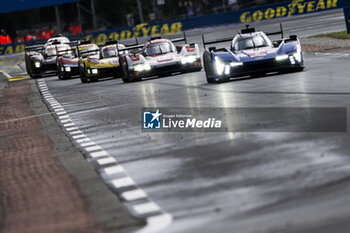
[(160, 57)]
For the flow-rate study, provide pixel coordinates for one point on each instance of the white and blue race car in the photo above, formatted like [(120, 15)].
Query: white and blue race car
[(252, 53)]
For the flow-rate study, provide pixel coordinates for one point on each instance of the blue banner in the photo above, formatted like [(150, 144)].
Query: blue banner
[(347, 15), (18, 5), (254, 14)]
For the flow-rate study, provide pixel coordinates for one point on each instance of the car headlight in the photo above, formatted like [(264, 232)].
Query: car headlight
[(68, 69), (234, 64), (282, 57), (297, 54), (188, 59), (94, 71), (142, 67), (219, 66), (292, 60), (37, 64)]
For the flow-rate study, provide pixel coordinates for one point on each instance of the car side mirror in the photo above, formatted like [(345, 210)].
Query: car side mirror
[(276, 44)]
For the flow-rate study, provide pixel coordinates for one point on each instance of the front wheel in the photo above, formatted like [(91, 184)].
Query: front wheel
[(299, 69), (209, 68), (126, 73), (84, 80), (83, 77)]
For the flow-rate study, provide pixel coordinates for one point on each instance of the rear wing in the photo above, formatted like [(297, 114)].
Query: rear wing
[(276, 33), (138, 46), (131, 48), (214, 41), (34, 48), (184, 38), (80, 53), (247, 30)]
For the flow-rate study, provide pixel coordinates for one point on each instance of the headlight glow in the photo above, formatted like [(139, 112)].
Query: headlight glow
[(142, 67), (292, 60), (37, 64), (188, 59), (297, 55), (68, 69), (233, 64), (282, 57), (219, 66), (227, 69), (94, 71)]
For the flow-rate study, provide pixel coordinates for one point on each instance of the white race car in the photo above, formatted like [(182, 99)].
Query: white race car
[(160, 57)]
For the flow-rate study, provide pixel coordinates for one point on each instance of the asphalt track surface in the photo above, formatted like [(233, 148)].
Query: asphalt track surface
[(229, 182)]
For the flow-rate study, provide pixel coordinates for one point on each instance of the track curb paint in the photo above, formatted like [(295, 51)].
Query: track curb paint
[(136, 200)]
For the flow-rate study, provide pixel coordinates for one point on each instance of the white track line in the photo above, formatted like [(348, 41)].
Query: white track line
[(106, 161), (157, 220), (114, 170), (123, 182), (145, 208), (98, 154), (134, 195)]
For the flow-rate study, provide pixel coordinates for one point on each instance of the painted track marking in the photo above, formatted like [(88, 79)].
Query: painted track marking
[(140, 204)]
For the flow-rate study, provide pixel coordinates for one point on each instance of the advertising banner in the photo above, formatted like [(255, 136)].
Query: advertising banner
[(18, 5), (254, 14), (347, 15)]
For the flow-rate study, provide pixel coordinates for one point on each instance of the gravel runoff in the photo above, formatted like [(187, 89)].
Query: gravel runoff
[(324, 43), (107, 210), (3, 85)]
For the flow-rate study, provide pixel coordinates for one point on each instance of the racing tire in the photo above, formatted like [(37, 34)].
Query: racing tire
[(31, 74), (83, 77), (126, 73), (208, 67), (84, 80), (299, 69)]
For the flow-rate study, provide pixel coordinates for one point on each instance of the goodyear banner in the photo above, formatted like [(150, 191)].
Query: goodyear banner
[(255, 14), (295, 7)]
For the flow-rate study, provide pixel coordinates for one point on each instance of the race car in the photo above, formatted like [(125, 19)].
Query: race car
[(41, 59), (105, 64), (57, 39), (67, 65), (252, 53), (160, 57)]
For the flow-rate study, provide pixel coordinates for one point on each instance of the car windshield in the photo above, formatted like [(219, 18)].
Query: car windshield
[(64, 50), (86, 51), (60, 49), (58, 39), (110, 52), (251, 42), (159, 48)]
